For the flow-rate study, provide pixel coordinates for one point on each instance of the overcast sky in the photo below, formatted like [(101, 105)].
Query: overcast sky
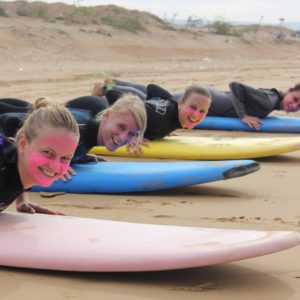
[(231, 10)]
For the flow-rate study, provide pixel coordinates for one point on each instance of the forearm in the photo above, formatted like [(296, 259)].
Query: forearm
[(132, 90), (155, 91), (22, 199), (138, 86), (238, 99), (248, 101)]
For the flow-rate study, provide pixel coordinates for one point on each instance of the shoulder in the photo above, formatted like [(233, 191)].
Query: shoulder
[(81, 115), (8, 150)]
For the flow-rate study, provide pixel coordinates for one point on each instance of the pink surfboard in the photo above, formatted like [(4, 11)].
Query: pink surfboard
[(79, 244)]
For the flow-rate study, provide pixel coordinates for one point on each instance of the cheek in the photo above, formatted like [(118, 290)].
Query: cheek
[(202, 115), (111, 130), (187, 111), (36, 158), (288, 100), (190, 112)]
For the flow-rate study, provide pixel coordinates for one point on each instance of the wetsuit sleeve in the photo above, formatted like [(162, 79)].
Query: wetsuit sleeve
[(11, 122), (11, 105), (95, 104), (162, 118), (126, 84), (243, 96), (155, 91), (155, 123)]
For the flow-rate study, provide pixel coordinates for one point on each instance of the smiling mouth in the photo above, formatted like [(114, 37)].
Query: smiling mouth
[(48, 173), (193, 120), (116, 142)]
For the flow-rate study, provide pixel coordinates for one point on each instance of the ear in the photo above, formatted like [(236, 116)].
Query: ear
[(106, 114), (22, 141), (180, 102)]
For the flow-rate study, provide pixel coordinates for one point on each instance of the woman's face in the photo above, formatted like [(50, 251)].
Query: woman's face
[(193, 110), (291, 101), (116, 131), (47, 157)]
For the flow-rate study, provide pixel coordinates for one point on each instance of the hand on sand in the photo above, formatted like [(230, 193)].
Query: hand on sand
[(23, 205)]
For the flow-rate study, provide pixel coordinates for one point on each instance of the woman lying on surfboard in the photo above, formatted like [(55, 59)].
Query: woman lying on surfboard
[(122, 123), (242, 101), (164, 113), (40, 154)]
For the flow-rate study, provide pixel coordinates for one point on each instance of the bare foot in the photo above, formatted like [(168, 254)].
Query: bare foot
[(98, 89), (107, 80)]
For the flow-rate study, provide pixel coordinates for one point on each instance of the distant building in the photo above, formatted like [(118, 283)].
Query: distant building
[(296, 34)]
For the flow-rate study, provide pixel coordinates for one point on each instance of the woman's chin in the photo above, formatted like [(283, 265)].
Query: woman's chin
[(190, 125), (46, 183), (112, 148)]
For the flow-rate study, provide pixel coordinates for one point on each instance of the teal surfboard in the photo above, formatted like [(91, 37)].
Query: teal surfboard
[(274, 124), (124, 177)]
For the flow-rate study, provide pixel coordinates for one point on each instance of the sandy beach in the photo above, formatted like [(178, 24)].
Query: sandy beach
[(38, 60)]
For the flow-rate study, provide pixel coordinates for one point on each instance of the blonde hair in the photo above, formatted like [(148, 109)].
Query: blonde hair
[(129, 103), (47, 113)]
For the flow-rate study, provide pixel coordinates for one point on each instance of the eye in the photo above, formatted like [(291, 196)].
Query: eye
[(66, 159), (133, 134), (193, 107), (122, 126), (47, 153)]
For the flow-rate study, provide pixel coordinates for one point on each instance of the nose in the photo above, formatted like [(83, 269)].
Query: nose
[(55, 165), (197, 114)]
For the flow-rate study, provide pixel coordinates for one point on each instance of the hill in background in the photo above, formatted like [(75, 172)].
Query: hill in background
[(56, 50), (44, 29)]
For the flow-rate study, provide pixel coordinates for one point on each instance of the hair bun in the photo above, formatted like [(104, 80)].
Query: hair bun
[(41, 102)]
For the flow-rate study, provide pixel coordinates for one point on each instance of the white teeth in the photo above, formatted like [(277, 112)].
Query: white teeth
[(193, 121), (47, 173), (116, 142)]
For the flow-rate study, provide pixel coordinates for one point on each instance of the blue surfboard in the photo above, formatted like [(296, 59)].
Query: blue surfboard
[(278, 124), (124, 177)]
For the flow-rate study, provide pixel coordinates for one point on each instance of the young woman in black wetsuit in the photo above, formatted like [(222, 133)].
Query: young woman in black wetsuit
[(242, 101), (41, 153)]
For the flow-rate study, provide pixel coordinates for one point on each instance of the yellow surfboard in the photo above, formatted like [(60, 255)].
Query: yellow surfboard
[(211, 148)]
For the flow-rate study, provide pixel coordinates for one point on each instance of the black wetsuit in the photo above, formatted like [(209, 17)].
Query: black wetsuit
[(10, 183), (240, 101), (8, 105), (128, 87), (93, 103), (254, 102), (162, 112)]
